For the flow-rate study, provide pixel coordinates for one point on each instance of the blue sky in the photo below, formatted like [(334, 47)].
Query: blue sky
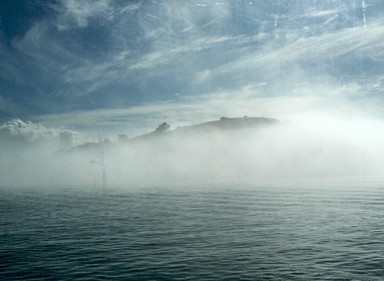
[(126, 66)]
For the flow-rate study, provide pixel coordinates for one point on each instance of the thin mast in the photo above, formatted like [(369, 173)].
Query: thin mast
[(102, 164)]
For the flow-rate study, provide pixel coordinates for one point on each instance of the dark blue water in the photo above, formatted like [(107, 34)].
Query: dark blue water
[(260, 233)]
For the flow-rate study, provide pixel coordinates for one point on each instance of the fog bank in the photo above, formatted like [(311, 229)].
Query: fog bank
[(212, 154)]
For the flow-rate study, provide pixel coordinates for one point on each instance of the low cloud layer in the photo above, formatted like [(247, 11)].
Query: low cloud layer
[(26, 132), (314, 150)]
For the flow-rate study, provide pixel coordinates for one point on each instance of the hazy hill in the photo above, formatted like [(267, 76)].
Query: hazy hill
[(223, 124)]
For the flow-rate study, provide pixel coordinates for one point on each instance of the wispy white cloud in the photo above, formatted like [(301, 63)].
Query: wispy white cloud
[(51, 52), (300, 99), (316, 48), (321, 13), (89, 75), (168, 55), (44, 50), (178, 36), (77, 14), (80, 13)]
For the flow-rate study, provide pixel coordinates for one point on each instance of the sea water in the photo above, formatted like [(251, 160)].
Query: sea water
[(255, 233)]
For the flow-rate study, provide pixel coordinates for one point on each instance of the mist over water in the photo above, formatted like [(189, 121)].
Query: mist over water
[(309, 148), (95, 185)]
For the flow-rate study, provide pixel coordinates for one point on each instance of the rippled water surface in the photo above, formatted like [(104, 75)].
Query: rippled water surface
[(260, 233)]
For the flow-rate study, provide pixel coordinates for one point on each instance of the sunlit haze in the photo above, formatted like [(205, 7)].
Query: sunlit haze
[(81, 81)]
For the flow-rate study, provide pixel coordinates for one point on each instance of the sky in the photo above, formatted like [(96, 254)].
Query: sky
[(116, 66), (80, 71)]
